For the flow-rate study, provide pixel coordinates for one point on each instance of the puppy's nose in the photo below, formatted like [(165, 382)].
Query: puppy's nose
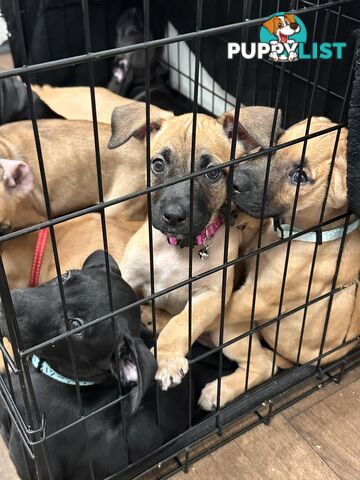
[(5, 228), (174, 215), (294, 26), (241, 183)]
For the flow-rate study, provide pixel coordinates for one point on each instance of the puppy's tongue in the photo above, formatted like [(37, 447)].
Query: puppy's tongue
[(118, 74), (129, 374), (283, 38), (172, 240)]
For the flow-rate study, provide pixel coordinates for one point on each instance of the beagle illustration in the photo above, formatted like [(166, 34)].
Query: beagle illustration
[(282, 27)]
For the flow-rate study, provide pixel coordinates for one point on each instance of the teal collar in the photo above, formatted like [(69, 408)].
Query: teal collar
[(283, 231), (44, 367)]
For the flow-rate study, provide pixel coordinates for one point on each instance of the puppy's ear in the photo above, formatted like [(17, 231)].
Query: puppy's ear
[(129, 121), (290, 17), (271, 25), (17, 177), (254, 127), (97, 260)]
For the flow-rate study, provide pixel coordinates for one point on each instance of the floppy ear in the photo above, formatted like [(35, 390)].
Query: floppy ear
[(254, 127), (271, 25), (290, 17), (146, 368), (130, 121), (17, 177), (97, 260)]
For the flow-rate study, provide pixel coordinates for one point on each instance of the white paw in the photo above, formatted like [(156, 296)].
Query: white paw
[(274, 56), (208, 397), (171, 371), (292, 56)]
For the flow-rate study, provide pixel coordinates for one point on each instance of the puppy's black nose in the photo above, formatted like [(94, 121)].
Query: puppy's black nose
[(174, 215), (5, 228), (241, 183), (294, 26)]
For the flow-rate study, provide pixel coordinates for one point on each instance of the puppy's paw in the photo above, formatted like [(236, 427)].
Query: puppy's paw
[(274, 56), (208, 397), (171, 370), (292, 57)]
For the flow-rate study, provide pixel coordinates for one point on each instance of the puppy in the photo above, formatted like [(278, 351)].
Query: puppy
[(129, 69), (40, 317), (170, 159), (74, 103), (300, 334), (70, 166), (128, 78), (282, 27), (76, 239)]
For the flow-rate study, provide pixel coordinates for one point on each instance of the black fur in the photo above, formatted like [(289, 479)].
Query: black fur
[(40, 317), (353, 155), (129, 69)]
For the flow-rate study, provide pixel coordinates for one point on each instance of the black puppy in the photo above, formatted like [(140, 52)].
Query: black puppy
[(129, 69), (40, 317)]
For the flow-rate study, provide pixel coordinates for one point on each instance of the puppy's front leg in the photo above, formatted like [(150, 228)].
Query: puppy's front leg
[(172, 344), (247, 374)]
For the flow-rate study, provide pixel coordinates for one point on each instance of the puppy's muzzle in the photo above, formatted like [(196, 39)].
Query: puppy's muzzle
[(5, 228), (242, 184), (174, 215)]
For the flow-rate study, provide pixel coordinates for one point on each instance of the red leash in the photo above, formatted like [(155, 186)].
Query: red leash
[(38, 257)]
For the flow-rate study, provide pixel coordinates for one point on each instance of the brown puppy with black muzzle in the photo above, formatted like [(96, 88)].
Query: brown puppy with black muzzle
[(300, 336), (170, 153)]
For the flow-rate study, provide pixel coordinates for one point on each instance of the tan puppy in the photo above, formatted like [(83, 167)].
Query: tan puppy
[(76, 239), (344, 319), (70, 165), (74, 103), (170, 156)]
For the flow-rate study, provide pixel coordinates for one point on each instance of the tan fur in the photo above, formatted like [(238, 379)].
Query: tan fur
[(74, 103), (170, 262), (70, 165), (344, 322)]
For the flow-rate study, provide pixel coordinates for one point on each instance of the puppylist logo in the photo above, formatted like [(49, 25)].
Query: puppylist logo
[(282, 39)]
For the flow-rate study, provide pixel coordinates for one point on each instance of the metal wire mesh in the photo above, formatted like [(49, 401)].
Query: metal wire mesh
[(319, 96)]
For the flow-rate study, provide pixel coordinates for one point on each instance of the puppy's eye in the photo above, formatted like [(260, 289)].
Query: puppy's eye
[(214, 175), (158, 165), (75, 323), (299, 177)]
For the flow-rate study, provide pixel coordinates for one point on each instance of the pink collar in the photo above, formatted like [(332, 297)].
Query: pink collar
[(207, 232)]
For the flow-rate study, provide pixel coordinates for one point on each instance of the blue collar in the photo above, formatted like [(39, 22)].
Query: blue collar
[(44, 367), (283, 231)]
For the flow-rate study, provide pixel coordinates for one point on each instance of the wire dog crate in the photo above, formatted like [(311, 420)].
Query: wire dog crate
[(301, 91)]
